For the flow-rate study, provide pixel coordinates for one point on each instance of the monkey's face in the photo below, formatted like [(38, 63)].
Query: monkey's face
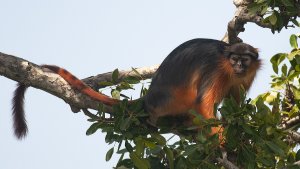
[(240, 63)]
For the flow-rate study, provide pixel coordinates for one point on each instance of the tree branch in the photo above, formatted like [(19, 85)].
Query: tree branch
[(225, 162), (142, 73), (295, 136), (23, 71), (290, 123), (241, 17)]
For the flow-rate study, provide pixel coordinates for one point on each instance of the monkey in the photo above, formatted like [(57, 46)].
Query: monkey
[(196, 75)]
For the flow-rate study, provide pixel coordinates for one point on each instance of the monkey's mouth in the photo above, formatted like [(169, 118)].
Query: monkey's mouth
[(239, 72), (240, 75)]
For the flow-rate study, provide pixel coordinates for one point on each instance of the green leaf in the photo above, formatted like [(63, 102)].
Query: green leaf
[(263, 110), (296, 22), (109, 154), (132, 79), (136, 72), (139, 146), (255, 7), (115, 76), (270, 130), (296, 92), (111, 137), (275, 148), (294, 111), (159, 138), (264, 9), (125, 164), (150, 144), (125, 123), (292, 55), (139, 162), (170, 156), (293, 41), (284, 69), (92, 129), (276, 60), (266, 161), (287, 3), (105, 84), (248, 129), (270, 97), (156, 162), (123, 167), (298, 155), (201, 137), (249, 156), (232, 132), (124, 86), (273, 19), (181, 163), (128, 146), (190, 149)]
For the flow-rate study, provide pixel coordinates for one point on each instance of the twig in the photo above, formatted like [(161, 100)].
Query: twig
[(297, 163), (89, 114), (225, 162), (290, 123), (295, 136), (145, 72)]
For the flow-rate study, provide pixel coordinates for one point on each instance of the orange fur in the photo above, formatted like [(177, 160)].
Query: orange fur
[(225, 83), (182, 100), (222, 81), (82, 87)]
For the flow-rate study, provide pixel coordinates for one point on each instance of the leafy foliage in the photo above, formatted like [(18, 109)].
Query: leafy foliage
[(255, 131), (277, 13)]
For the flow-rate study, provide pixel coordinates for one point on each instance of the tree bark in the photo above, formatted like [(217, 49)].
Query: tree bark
[(240, 18), (31, 74)]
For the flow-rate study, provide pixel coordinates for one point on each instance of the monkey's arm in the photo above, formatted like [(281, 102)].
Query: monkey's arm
[(23, 71)]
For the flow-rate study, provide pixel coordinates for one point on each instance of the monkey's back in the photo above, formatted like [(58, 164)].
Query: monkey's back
[(193, 55), (191, 61)]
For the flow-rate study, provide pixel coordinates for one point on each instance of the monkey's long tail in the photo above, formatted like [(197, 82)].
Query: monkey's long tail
[(19, 121), (81, 86)]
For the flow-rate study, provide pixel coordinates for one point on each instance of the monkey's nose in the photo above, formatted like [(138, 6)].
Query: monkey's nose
[(239, 63)]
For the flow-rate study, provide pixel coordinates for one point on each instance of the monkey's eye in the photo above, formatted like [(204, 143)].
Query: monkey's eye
[(234, 58), (246, 59)]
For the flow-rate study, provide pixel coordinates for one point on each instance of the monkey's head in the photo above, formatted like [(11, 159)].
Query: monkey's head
[(241, 56)]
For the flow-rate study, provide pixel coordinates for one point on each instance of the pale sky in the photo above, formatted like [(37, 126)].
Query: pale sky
[(96, 36)]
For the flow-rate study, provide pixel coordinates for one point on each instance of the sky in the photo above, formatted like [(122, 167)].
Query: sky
[(97, 36)]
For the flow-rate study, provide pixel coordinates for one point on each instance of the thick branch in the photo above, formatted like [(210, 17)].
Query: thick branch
[(23, 71), (241, 17)]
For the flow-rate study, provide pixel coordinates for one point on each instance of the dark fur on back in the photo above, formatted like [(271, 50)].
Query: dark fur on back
[(20, 126), (188, 58)]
